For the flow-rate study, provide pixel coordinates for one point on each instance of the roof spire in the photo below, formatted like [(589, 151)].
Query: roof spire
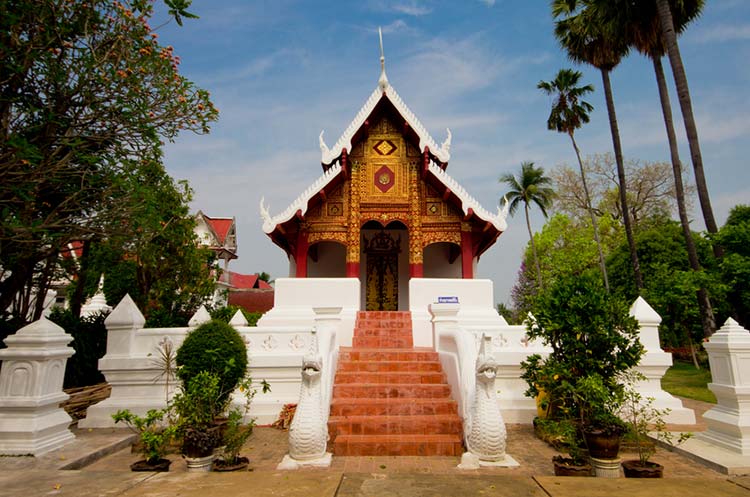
[(383, 81)]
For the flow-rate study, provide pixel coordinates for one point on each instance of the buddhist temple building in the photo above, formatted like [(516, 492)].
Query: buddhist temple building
[(385, 209)]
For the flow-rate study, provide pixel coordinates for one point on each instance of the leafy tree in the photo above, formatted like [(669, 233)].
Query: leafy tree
[(588, 38), (87, 94), (566, 249), (529, 187), (734, 267), (570, 112), (506, 312), (672, 285), (649, 185), (159, 263)]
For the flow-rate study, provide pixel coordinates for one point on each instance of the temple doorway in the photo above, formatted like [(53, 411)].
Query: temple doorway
[(384, 267)]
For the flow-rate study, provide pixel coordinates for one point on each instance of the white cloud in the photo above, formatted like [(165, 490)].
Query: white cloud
[(720, 33), (396, 26), (488, 3), (412, 8)]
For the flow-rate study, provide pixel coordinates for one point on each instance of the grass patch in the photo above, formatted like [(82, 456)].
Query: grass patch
[(685, 380)]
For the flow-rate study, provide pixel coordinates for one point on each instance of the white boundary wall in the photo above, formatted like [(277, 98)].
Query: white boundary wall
[(275, 348), (282, 336)]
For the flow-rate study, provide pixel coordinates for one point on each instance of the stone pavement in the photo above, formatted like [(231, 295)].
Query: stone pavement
[(109, 475)]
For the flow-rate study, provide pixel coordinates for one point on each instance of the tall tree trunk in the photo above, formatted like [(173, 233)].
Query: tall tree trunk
[(683, 95), (591, 213), (704, 304), (621, 179), (533, 249)]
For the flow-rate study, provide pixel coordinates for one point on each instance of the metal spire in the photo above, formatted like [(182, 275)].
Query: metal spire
[(383, 81)]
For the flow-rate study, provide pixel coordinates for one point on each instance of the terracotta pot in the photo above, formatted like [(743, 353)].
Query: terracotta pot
[(634, 469), (241, 465), (565, 467), (159, 466), (602, 445)]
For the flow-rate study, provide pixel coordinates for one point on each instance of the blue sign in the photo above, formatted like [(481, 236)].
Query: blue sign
[(447, 300)]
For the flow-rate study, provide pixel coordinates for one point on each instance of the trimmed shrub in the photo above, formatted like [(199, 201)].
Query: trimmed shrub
[(217, 348)]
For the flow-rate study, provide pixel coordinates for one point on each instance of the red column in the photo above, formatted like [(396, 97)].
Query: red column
[(300, 255), (352, 269), (416, 270), (467, 256)]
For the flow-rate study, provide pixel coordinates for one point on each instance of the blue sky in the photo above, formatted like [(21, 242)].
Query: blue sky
[(281, 71)]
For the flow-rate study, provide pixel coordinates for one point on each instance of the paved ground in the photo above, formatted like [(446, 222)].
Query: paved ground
[(348, 476)]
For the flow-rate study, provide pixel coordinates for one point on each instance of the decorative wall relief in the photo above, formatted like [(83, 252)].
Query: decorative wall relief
[(270, 342)]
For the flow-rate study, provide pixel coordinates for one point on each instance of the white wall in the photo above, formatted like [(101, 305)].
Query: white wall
[(331, 261), (475, 296), (436, 264)]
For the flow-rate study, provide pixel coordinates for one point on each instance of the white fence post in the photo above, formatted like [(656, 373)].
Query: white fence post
[(655, 363), (31, 381), (729, 356)]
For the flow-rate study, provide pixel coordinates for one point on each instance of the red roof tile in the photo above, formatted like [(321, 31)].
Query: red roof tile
[(73, 249), (254, 300), (220, 226), (246, 281), (238, 280)]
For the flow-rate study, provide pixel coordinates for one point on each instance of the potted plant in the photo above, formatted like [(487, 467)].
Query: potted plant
[(235, 436), (196, 405), (154, 437), (598, 404), (642, 417), (236, 432), (576, 463), (592, 339)]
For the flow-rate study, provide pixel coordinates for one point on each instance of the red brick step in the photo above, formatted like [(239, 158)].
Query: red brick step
[(390, 398), (398, 445), (392, 407)]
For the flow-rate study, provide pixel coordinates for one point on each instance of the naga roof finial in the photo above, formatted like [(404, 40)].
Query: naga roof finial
[(383, 81)]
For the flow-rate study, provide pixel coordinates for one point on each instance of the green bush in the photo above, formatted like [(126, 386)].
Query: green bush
[(217, 348), (90, 343), (591, 335)]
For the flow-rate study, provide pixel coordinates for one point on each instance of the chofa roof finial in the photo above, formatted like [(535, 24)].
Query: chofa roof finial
[(383, 81)]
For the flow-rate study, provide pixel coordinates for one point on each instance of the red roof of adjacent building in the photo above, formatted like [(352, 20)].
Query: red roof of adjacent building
[(221, 226), (73, 250), (255, 300), (247, 281)]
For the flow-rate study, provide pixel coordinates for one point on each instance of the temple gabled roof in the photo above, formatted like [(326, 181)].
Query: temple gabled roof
[(439, 157), (385, 90)]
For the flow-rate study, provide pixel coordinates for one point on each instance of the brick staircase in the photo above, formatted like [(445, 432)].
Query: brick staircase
[(390, 398)]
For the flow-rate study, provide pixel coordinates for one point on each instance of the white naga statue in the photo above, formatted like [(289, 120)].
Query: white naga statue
[(308, 433), (484, 430)]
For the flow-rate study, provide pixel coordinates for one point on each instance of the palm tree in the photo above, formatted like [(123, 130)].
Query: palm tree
[(645, 34), (583, 32), (669, 35), (569, 112), (531, 186)]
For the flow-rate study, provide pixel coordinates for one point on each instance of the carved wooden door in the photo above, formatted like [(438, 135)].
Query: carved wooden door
[(382, 272)]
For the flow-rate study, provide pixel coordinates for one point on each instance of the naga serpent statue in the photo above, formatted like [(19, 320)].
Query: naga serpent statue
[(308, 433), (485, 430)]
